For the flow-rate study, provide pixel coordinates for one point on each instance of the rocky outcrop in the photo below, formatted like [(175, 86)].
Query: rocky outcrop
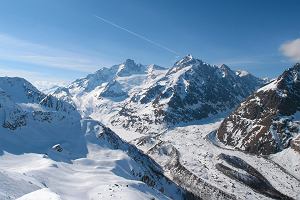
[(295, 144), (266, 121)]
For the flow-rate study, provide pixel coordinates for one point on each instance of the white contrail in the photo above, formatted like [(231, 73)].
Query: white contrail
[(138, 35)]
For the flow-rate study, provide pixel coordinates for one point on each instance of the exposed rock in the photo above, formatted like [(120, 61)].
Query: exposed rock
[(265, 123), (57, 148), (295, 144)]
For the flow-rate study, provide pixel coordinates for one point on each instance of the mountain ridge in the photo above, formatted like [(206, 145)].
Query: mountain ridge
[(265, 122)]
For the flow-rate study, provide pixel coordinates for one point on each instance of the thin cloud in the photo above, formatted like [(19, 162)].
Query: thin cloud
[(15, 49), (291, 49), (138, 35), (40, 80)]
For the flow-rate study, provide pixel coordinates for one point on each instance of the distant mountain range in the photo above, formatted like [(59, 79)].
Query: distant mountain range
[(147, 98)]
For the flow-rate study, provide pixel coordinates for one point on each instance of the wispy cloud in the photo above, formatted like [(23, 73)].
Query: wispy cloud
[(15, 49), (291, 49), (40, 80), (138, 35)]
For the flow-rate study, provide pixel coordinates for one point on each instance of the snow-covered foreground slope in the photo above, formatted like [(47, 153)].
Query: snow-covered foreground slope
[(103, 174), (41, 194), (100, 169)]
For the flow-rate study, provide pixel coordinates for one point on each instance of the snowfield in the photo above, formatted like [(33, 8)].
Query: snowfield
[(103, 174)]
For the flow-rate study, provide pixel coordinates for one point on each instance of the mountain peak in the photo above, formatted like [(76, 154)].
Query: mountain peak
[(186, 60), (19, 89), (190, 56), (242, 73), (224, 66), (129, 62), (129, 67), (295, 68)]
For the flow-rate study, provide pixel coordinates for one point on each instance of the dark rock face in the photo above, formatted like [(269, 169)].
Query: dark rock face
[(190, 90), (130, 67), (264, 122), (15, 119)]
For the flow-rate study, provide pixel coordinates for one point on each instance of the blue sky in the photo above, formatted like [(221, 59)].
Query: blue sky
[(61, 40)]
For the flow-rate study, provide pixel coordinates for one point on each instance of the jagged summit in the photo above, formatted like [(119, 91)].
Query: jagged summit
[(185, 63), (242, 73), (129, 67), (186, 60), (190, 90), (289, 77)]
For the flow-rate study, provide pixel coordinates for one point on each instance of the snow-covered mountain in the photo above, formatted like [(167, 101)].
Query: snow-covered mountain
[(44, 140), (103, 92), (33, 122), (190, 90), (268, 121), (148, 98)]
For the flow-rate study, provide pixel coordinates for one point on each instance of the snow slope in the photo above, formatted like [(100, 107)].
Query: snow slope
[(102, 174), (47, 150)]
